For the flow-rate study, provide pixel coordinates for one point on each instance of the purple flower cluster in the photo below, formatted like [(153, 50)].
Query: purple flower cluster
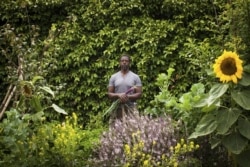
[(157, 134)]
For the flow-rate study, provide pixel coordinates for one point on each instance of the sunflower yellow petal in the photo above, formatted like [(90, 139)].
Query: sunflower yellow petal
[(228, 67)]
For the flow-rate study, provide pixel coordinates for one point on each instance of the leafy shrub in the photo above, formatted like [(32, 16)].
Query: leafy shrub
[(13, 135), (137, 141), (184, 109), (45, 144)]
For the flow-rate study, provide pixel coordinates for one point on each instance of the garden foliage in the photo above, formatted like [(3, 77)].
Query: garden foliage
[(28, 140), (75, 46)]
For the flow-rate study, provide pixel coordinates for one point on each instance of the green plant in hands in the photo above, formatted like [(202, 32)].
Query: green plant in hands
[(116, 103), (228, 122)]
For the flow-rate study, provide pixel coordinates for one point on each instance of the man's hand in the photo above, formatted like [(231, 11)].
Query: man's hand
[(123, 97)]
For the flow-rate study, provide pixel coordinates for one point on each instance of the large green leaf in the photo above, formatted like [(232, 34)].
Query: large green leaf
[(212, 107), (58, 109), (247, 68), (207, 102), (206, 126), (235, 142), (244, 127), (213, 96), (245, 81), (48, 90), (242, 98), (243, 158), (36, 103), (202, 102), (226, 118), (218, 90)]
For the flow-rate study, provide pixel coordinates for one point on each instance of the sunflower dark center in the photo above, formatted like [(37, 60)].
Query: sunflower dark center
[(228, 66)]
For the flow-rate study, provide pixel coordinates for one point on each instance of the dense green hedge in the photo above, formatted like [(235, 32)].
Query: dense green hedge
[(80, 43), (85, 49)]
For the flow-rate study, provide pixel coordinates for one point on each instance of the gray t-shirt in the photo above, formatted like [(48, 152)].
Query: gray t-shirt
[(123, 83)]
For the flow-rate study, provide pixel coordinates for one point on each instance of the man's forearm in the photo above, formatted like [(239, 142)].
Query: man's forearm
[(113, 95), (134, 96)]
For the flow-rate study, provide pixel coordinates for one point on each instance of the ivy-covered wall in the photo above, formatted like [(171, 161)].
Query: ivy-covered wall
[(80, 42), (85, 48)]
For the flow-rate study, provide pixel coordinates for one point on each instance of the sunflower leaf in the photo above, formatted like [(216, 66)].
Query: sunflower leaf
[(244, 128), (235, 142), (242, 98), (226, 118), (247, 68), (206, 126), (218, 90), (245, 81), (243, 158), (213, 96)]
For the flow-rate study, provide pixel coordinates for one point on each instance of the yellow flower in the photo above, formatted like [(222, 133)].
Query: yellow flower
[(228, 67), (145, 163), (182, 141), (127, 149), (171, 149)]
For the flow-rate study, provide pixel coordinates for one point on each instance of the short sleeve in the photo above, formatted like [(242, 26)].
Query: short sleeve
[(112, 81), (138, 81)]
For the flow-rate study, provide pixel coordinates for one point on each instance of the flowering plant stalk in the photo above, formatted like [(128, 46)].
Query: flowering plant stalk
[(116, 103)]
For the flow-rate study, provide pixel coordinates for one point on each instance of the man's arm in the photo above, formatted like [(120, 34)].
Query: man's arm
[(112, 95), (136, 95)]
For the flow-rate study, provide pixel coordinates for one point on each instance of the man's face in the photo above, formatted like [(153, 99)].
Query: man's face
[(124, 63)]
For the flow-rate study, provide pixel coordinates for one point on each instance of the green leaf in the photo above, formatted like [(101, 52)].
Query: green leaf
[(217, 91), (215, 142), (36, 104), (37, 116), (235, 142), (112, 108), (212, 107), (244, 127), (226, 118), (213, 96), (242, 98), (207, 102), (48, 90), (198, 88), (202, 102), (58, 109), (243, 158), (36, 78), (245, 80), (247, 68), (206, 126)]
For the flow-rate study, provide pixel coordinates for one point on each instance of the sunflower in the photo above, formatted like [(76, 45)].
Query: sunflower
[(27, 91), (228, 67)]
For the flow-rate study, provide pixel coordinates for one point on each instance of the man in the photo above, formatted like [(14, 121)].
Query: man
[(120, 83)]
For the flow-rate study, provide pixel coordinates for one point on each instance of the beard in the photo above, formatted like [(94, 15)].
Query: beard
[(124, 67)]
